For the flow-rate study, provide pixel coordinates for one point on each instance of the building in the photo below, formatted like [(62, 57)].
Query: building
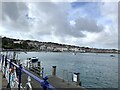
[(17, 42)]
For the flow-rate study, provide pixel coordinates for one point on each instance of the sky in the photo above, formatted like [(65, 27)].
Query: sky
[(89, 24)]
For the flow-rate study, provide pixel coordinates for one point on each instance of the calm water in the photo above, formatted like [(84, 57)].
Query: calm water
[(96, 70)]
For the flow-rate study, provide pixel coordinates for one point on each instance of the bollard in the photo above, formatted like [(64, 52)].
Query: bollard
[(76, 78), (54, 70)]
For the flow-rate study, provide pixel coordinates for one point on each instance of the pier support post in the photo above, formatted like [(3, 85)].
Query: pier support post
[(42, 72), (54, 70), (39, 64)]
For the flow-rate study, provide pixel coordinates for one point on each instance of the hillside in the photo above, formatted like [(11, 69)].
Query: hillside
[(29, 45)]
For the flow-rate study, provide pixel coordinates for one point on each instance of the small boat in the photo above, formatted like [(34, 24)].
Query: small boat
[(34, 59), (112, 56)]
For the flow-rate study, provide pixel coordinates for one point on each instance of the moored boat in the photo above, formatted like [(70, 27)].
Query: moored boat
[(112, 55), (34, 59)]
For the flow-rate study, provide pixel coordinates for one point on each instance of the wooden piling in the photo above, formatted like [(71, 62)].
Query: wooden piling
[(54, 70)]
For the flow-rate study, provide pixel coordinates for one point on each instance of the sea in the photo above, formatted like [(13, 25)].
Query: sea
[(97, 70)]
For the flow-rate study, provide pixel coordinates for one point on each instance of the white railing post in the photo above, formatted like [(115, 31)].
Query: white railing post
[(28, 85)]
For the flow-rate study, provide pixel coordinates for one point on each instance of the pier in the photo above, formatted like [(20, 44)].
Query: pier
[(14, 75)]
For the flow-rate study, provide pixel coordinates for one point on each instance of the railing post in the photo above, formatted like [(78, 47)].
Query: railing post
[(45, 83), (20, 74), (10, 65), (2, 62), (5, 66), (5, 61)]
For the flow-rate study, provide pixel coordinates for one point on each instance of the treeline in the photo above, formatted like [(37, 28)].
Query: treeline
[(8, 43)]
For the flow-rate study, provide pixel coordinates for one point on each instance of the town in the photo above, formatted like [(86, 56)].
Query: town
[(29, 45)]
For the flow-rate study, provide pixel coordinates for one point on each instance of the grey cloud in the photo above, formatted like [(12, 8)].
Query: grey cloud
[(14, 16), (49, 15), (13, 9), (57, 17), (85, 24)]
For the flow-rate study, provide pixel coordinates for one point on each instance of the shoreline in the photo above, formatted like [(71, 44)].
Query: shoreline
[(59, 51)]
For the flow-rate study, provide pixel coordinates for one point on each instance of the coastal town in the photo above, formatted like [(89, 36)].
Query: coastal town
[(29, 45)]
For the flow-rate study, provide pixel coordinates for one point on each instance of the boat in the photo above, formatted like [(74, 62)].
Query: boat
[(34, 59), (112, 56), (29, 61)]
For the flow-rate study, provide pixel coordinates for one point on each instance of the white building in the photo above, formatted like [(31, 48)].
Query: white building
[(42, 47), (18, 42), (74, 49), (64, 49)]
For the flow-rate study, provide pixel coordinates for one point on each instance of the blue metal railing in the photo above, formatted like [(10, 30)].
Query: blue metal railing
[(44, 83)]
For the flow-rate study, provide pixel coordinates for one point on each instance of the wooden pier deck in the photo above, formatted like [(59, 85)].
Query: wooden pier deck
[(33, 82), (3, 83), (53, 80)]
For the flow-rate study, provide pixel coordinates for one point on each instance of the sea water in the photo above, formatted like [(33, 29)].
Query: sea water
[(96, 70)]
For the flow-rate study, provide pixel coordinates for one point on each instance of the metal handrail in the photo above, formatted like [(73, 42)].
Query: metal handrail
[(44, 83)]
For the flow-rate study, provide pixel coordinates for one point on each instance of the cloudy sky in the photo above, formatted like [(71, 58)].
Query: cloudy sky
[(92, 24)]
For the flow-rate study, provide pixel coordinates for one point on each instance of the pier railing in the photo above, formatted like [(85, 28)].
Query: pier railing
[(13, 74)]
